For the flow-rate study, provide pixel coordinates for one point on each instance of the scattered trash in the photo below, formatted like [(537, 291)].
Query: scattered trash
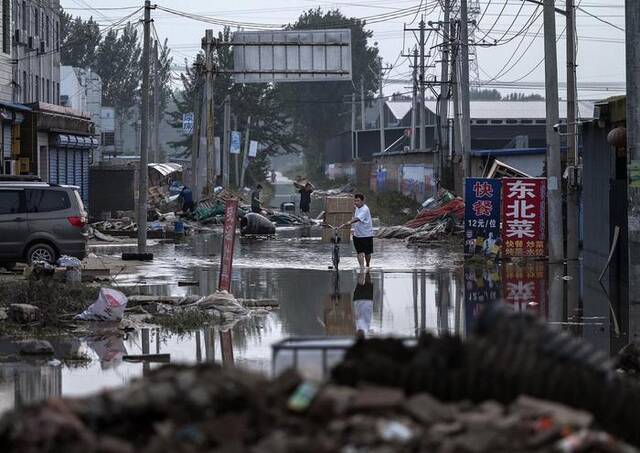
[(394, 431), (35, 347), (109, 306), (68, 261), (257, 224), (302, 397), (23, 313)]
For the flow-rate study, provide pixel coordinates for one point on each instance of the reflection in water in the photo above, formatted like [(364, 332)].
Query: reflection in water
[(363, 304)]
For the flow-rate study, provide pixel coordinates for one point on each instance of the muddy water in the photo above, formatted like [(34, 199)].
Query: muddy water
[(407, 292)]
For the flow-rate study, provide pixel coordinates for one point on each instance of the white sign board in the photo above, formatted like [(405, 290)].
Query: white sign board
[(187, 123), (292, 56), (234, 146), (253, 148)]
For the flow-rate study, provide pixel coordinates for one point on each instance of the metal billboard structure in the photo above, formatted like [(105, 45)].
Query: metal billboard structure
[(292, 56)]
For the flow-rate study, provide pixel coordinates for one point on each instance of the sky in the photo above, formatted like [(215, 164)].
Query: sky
[(514, 64)]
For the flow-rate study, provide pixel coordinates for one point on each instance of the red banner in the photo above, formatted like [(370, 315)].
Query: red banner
[(524, 287), (524, 217), (228, 243)]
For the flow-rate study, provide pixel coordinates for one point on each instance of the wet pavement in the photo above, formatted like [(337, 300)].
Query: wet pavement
[(409, 290)]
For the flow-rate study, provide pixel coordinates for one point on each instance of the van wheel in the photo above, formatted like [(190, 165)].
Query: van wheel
[(41, 252)]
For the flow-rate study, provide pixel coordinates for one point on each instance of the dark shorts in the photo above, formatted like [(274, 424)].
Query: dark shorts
[(304, 208), (363, 245)]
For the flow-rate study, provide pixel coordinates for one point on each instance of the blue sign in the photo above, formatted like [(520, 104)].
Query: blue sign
[(482, 217), (187, 123), (234, 147)]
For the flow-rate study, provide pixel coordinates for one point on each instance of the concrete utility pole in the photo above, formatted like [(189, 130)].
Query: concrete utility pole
[(362, 104), (414, 99), (465, 109), (554, 182), (444, 89), (226, 143), (236, 160), (245, 156), (423, 119), (156, 104), (354, 135), (208, 44), (632, 13), (195, 138), (144, 135), (383, 145), (573, 159)]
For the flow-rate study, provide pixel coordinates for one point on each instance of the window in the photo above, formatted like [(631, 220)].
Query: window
[(46, 200), (526, 122), (57, 99), (6, 26), (56, 39), (42, 84), (25, 15), (47, 32), (37, 89), (37, 21), (496, 121), (108, 138), (512, 121), (481, 121), (10, 202), (48, 91)]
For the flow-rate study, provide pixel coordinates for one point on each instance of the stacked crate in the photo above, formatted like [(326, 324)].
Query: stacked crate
[(338, 211)]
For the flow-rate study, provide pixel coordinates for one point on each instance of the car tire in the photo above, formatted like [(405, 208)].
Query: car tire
[(41, 252)]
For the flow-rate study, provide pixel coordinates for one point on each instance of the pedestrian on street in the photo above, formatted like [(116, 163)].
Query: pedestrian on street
[(255, 200), (187, 199), (305, 197), (362, 231)]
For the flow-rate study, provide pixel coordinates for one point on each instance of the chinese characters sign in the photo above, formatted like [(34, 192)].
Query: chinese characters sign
[(524, 217), (482, 216), (228, 242)]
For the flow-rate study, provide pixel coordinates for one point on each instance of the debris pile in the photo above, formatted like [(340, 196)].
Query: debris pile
[(439, 220), (207, 408)]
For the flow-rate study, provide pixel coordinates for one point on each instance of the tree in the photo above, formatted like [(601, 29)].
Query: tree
[(524, 97), (79, 41), (320, 109), (118, 64), (485, 95)]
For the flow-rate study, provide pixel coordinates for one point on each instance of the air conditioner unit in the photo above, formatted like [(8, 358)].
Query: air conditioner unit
[(43, 47), (32, 42)]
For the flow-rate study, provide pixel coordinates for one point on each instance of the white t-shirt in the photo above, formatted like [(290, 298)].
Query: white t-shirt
[(363, 228)]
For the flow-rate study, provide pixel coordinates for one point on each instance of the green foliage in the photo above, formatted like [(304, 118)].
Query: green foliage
[(79, 40), (494, 95), (319, 108), (523, 97)]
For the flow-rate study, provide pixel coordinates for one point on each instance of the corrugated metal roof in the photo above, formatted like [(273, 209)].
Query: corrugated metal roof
[(499, 109), (166, 169)]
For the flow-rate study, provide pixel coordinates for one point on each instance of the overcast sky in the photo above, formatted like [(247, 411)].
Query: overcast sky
[(516, 60)]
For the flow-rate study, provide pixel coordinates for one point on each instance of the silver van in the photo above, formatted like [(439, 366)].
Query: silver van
[(40, 222)]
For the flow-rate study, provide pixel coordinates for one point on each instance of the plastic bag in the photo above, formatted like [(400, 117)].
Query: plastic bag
[(68, 261), (109, 306)]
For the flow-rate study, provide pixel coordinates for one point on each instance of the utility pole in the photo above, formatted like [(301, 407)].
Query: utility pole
[(554, 194), (573, 159), (414, 99), (423, 119), (632, 13), (443, 112), (465, 120), (383, 145), (455, 72), (236, 164), (208, 44), (362, 104), (195, 138), (156, 104), (354, 142), (226, 142), (144, 135), (245, 157)]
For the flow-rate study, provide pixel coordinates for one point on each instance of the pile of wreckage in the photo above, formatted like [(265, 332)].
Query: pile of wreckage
[(439, 221), (439, 395)]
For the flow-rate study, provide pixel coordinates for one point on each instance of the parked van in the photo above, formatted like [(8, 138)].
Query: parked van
[(40, 222)]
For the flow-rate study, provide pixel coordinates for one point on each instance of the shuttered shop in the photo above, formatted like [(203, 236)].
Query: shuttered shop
[(69, 161)]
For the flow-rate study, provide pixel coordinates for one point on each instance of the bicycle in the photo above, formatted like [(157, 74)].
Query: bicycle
[(335, 257)]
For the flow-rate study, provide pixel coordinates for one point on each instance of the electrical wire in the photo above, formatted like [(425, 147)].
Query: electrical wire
[(600, 18)]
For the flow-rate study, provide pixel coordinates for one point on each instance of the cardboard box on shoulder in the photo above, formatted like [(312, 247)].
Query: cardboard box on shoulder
[(339, 204)]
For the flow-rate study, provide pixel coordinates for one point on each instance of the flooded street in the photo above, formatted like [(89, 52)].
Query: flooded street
[(413, 290)]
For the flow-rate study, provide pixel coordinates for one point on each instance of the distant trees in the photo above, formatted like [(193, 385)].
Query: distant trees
[(495, 95)]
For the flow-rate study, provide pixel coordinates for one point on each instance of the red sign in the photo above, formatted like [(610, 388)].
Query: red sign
[(524, 217), (228, 243), (524, 287)]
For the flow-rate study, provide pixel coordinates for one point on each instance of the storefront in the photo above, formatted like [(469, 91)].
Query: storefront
[(11, 118)]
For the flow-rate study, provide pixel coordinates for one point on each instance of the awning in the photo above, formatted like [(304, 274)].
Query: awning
[(14, 106), (74, 141)]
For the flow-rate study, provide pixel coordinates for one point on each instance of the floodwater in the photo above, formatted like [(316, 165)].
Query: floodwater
[(408, 291)]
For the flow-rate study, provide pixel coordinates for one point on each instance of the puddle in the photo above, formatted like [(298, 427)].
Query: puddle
[(418, 290)]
